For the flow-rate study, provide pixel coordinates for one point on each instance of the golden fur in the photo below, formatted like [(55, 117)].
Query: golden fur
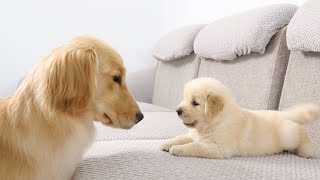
[(47, 124), (219, 128)]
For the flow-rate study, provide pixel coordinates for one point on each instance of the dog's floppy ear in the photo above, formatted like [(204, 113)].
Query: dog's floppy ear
[(214, 104), (71, 79)]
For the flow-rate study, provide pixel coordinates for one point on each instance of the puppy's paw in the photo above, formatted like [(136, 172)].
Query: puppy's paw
[(177, 150), (165, 146)]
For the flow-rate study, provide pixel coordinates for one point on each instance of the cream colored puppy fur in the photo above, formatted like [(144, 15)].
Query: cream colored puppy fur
[(221, 129)]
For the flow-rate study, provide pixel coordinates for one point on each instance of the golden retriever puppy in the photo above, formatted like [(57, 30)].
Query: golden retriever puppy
[(47, 124), (221, 129)]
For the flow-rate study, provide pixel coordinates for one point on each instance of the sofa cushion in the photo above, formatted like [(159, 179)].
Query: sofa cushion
[(303, 30), (302, 81), (143, 160), (146, 107), (176, 44), (242, 34), (140, 83), (171, 76), (155, 125), (302, 85), (255, 80)]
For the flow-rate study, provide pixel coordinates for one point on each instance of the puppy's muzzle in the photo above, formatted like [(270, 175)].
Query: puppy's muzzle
[(179, 111)]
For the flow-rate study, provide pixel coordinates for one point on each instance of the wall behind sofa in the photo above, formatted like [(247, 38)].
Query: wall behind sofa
[(29, 29)]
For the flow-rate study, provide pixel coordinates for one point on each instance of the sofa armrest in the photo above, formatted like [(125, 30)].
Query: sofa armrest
[(141, 83)]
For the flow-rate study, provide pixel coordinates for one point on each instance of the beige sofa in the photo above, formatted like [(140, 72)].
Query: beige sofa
[(273, 79)]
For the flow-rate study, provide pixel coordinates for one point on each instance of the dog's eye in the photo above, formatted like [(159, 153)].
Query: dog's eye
[(195, 103), (117, 79)]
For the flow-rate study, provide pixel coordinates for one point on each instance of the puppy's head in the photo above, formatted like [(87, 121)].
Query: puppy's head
[(88, 75), (203, 99)]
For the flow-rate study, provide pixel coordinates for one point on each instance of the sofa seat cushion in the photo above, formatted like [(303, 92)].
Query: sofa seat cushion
[(304, 29), (142, 159), (176, 44), (147, 107), (242, 34), (155, 125), (154, 118)]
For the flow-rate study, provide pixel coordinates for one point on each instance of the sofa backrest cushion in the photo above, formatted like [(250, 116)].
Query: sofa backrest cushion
[(170, 79), (176, 44), (255, 80), (304, 29), (242, 34), (302, 81)]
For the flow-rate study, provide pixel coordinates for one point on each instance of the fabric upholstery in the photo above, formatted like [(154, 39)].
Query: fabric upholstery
[(303, 30), (155, 125), (302, 81), (135, 153), (242, 34), (176, 44), (140, 84), (170, 79), (255, 80), (146, 107), (142, 159)]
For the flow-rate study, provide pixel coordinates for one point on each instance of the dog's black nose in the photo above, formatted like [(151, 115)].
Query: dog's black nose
[(139, 117), (179, 111)]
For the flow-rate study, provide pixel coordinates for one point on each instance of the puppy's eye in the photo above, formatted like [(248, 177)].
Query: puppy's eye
[(195, 103), (117, 79)]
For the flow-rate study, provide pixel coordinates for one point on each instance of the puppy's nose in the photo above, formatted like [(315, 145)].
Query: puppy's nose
[(179, 111), (139, 117)]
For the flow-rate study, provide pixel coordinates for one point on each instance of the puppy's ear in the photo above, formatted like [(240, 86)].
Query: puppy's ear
[(71, 79), (214, 104)]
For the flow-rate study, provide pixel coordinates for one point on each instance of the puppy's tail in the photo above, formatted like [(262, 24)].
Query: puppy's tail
[(304, 113)]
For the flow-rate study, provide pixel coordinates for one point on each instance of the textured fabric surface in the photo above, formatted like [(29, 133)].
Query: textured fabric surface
[(303, 30), (255, 80), (135, 154), (241, 34), (143, 160), (170, 79), (146, 107), (155, 125), (176, 44), (140, 84), (302, 81)]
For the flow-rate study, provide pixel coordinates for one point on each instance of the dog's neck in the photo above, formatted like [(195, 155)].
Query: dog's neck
[(27, 106), (229, 114), (24, 115)]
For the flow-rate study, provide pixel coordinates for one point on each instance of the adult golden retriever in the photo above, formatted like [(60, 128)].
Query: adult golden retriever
[(221, 129), (47, 124)]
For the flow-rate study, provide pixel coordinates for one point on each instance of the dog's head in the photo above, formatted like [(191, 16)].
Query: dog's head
[(203, 99), (88, 75)]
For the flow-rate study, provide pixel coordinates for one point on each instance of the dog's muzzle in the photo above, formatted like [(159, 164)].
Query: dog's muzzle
[(139, 117)]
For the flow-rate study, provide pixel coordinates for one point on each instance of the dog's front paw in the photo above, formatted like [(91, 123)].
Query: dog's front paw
[(165, 146), (177, 150)]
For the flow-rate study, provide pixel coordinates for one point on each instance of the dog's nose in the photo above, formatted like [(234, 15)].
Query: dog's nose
[(179, 111), (139, 117)]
